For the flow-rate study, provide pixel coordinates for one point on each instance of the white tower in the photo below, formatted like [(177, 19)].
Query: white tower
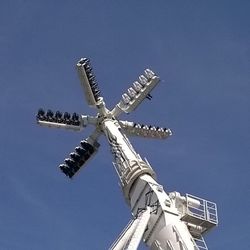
[(163, 221)]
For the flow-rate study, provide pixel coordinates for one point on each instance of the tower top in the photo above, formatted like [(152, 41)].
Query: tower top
[(130, 100)]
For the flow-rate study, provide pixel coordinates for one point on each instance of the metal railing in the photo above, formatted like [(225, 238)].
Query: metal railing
[(202, 209)]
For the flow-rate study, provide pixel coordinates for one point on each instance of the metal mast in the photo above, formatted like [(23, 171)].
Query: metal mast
[(161, 220)]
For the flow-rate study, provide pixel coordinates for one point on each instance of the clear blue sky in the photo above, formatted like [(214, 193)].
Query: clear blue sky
[(200, 49)]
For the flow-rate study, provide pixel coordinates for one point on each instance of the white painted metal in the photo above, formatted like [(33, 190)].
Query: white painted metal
[(59, 125), (131, 236), (142, 191), (132, 100), (148, 131), (164, 221), (129, 165), (85, 84), (165, 227), (143, 219), (125, 236)]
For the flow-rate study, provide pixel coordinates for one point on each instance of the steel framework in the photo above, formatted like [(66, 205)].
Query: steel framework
[(161, 220)]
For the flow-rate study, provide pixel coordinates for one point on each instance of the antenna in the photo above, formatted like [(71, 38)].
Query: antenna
[(161, 220)]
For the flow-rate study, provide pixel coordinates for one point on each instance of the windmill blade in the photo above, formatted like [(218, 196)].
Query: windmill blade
[(88, 82), (137, 93), (60, 120), (82, 154), (147, 131), (64, 120)]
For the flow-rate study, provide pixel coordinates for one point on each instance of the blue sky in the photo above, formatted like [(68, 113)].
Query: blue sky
[(200, 49)]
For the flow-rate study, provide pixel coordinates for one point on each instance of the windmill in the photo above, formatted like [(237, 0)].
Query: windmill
[(161, 220)]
